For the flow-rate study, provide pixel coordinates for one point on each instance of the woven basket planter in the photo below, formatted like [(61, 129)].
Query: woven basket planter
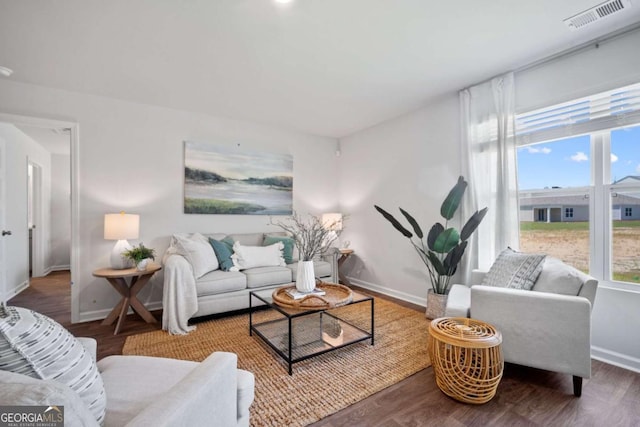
[(436, 305)]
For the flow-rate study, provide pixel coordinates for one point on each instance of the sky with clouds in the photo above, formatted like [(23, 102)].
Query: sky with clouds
[(567, 163)]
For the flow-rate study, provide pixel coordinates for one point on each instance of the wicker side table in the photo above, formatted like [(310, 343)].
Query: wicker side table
[(466, 357)]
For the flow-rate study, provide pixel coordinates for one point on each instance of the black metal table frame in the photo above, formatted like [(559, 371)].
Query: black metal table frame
[(288, 357)]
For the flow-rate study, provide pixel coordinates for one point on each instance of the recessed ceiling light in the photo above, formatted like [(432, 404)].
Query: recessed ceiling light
[(6, 72)]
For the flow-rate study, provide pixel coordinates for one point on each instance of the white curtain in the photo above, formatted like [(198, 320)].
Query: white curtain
[(489, 164)]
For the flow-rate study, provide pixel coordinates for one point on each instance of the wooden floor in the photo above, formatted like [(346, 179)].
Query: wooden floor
[(525, 397)]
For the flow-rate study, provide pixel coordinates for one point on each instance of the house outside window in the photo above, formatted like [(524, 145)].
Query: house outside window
[(589, 150)]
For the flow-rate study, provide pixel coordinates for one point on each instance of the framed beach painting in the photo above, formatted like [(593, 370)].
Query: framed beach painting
[(224, 179)]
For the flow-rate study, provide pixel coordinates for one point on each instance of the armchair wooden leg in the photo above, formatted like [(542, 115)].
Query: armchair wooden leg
[(577, 386)]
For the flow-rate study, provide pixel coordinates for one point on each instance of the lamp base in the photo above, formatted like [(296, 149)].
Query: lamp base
[(118, 261)]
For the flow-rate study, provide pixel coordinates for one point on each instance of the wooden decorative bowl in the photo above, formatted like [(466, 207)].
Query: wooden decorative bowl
[(335, 296)]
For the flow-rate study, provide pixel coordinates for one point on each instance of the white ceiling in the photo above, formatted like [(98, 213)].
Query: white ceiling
[(55, 141), (326, 67)]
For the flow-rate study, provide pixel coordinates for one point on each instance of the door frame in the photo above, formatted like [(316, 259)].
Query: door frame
[(75, 192)]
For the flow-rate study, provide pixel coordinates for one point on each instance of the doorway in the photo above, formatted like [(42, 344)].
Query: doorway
[(49, 224)]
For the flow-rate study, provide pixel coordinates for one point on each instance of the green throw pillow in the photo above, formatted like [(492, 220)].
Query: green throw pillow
[(228, 241), (223, 253), (287, 252)]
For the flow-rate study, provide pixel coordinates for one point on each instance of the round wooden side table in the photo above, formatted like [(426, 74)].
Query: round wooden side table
[(466, 357), (128, 291)]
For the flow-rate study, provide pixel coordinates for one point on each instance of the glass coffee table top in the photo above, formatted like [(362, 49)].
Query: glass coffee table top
[(299, 334)]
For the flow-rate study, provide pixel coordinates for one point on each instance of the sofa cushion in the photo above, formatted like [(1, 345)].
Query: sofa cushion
[(223, 254), (287, 251), (265, 276), (559, 278), (133, 383), (197, 250), (21, 390), (257, 256), (246, 239), (514, 269), (37, 346), (320, 269), (219, 282)]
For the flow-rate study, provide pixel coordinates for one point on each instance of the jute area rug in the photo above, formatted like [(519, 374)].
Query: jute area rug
[(319, 386)]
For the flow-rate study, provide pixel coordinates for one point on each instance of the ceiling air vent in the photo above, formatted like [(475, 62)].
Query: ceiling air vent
[(597, 13)]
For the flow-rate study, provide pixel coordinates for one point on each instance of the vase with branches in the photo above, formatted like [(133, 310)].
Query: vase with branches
[(312, 238)]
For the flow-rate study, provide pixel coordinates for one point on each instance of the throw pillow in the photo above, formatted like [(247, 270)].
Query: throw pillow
[(21, 390), (559, 278), (197, 250), (223, 254), (287, 252), (32, 344), (514, 269), (257, 256)]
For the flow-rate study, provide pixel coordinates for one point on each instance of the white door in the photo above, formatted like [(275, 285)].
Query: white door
[(3, 279)]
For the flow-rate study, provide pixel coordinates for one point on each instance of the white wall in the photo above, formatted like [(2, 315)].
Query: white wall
[(60, 212), (131, 158), (412, 162), (20, 149)]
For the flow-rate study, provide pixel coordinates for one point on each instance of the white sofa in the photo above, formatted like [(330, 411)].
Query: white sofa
[(147, 391), (218, 291), (547, 327)]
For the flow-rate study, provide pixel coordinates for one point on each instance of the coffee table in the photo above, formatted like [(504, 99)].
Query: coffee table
[(299, 334)]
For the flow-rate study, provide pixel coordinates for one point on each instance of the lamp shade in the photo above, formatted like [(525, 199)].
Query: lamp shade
[(121, 226), (332, 221)]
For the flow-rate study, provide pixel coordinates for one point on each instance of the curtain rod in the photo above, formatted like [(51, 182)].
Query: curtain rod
[(595, 43), (591, 44)]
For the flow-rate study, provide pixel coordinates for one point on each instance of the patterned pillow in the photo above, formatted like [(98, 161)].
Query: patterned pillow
[(34, 345), (515, 270)]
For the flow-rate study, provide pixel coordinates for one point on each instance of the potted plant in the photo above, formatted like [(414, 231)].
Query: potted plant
[(140, 255), (312, 238), (444, 246)]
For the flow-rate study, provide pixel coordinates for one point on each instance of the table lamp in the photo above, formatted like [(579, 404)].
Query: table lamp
[(120, 227), (333, 222)]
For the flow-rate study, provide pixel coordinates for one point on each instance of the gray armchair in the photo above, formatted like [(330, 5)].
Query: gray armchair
[(547, 327)]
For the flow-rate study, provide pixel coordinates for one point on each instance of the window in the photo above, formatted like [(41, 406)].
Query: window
[(581, 159)]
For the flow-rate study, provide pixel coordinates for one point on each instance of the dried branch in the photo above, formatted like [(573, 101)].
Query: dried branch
[(310, 235)]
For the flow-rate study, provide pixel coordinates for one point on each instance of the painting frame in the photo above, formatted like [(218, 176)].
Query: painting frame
[(230, 180)]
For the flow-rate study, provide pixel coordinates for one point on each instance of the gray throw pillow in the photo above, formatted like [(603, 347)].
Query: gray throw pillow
[(515, 270)]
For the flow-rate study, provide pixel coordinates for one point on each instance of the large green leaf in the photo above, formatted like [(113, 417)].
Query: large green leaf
[(452, 201), (446, 241), (394, 222), (472, 224), (437, 264), (414, 223), (433, 234), (453, 258)]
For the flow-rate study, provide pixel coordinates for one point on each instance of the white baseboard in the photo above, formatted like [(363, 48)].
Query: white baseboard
[(616, 359), (59, 267), (89, 316), (15, 291), (388, 291)]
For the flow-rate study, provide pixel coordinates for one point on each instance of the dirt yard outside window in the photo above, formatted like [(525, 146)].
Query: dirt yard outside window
[(569, 241)]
